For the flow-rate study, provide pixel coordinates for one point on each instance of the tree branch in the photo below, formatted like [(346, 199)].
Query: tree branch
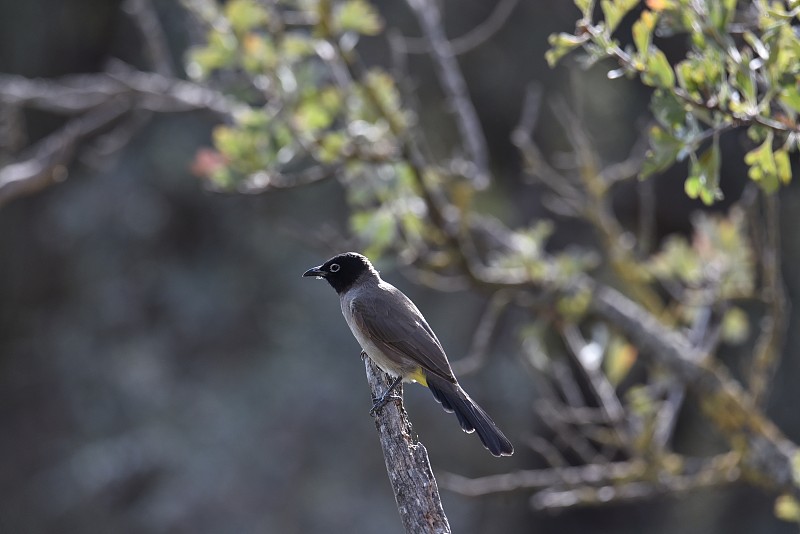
[(82, 92), (766, 452), (48, 159), (591, 479), (773, 330), (455, 88), (97, 101), (407, 464), (482, 335), (155, 41)]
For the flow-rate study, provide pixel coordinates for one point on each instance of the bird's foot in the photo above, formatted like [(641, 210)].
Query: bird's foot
[(363, 355), (381, 401)]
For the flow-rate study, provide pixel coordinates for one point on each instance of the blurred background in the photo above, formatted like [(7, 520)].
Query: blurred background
[(164, 368)]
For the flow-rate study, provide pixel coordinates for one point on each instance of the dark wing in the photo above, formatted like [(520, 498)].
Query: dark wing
[(398, 328)]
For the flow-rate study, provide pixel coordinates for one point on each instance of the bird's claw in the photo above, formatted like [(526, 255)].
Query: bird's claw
[(381, 401)]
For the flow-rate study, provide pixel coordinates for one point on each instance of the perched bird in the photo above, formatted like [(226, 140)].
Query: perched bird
[(395, 335)]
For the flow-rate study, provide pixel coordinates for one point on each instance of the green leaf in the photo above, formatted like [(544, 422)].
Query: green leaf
[(318, 109), (223, 178), (229, 141), (331, 146), (331, 98), (658, 72), (730, 10), (763, 168), (784, 52), (615, 10), (664, 149), (586, 7), (377, 228), (311, 116), (790, 97), (703, 180), (259, 53), (643, 32), (744, 80), (245, 15), (619, 360), (668, 109), (296, 45), (382, 86), (787, 508), (561, 45), (783, 166), (218, 53), (690, 76), (357, 16), (676, 261), (721, 13), (692, 187), (735, 326)]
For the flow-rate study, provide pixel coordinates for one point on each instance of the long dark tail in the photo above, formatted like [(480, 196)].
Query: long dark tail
[(471, 416)]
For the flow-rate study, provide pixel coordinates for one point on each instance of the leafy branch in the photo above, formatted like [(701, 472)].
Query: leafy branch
[(725, 81)]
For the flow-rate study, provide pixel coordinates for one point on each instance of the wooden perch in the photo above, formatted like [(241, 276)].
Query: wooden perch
[(407, 464)]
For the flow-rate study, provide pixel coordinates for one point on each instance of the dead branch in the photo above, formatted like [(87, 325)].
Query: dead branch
[(407, 463), (48, 160), (601, 483), (79, 93)]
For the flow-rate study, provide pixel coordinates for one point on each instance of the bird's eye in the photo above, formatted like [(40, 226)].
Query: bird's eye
[(334, 267)]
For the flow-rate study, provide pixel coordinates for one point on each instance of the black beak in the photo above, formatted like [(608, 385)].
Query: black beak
[(316, 271)]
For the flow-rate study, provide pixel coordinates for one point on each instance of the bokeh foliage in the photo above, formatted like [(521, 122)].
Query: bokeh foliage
[(302, 104), (741, 69), (309, 110)]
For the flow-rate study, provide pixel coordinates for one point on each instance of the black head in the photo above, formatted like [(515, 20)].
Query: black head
[(342, 270)]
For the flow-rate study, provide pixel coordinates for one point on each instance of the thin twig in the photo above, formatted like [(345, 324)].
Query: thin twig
[(97, 152), (548, 451), (153, 37), (568, 435), (645, 235), (629, 167), (601, 388), (47, 161), (598, 211), (454, 86), (536, 164), (555, 499), (266, 181), (773, 327), (595, 483), (12, 131), (482, 335), (765, 449), (470, 40), (667, 415)]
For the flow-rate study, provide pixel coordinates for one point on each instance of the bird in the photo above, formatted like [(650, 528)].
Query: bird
[(394, 334)]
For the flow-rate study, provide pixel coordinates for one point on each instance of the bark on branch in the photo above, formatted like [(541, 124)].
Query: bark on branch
[(407, 464), (48, 160), (767, 454)]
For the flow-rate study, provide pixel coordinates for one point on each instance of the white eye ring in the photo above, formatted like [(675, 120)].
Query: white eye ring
[(334, 267)]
